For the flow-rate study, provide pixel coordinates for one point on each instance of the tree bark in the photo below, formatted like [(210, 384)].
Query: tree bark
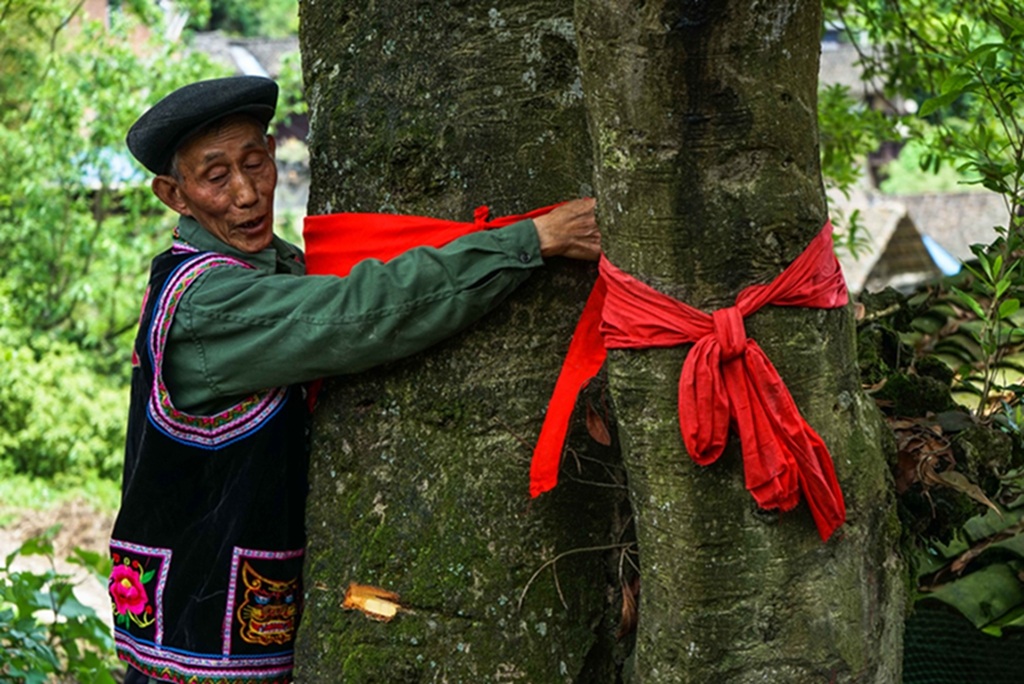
[(703, 117), (702, 153), (419, 476)]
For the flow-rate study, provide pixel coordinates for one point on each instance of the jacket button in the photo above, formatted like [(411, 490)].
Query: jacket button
[(525, 258)]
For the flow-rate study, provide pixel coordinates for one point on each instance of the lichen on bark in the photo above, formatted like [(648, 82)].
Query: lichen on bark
[(419, 475), (703, 157), (707, 176)]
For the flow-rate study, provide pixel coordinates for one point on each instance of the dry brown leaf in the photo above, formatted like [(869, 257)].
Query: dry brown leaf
[(970, 554), (957, 481), (911, 442), (630, 614), (906, 471), (858, 311), (871, 389), (967, 556), (597, 427), (374, 602)]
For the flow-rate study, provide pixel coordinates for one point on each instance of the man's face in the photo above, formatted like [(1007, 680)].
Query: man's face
[(227, 183)]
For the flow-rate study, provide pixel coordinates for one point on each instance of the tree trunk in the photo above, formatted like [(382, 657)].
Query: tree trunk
[(703, 116), (419, 476), (703, 157)]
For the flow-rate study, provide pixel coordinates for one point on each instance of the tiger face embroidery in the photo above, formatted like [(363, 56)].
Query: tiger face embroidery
[(270, 609)]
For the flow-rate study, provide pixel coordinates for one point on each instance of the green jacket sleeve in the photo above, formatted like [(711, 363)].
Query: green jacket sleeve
[(238, 331)]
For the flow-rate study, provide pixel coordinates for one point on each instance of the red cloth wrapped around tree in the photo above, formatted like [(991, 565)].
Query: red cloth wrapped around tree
[(726, 379), (337, 242)]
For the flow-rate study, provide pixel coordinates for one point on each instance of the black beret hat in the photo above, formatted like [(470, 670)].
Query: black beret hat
[(159, 132)]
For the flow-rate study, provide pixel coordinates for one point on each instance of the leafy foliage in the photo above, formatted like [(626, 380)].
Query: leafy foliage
[(959, 477), (847, 133), (77, 227), (68, 639), (274, 18)]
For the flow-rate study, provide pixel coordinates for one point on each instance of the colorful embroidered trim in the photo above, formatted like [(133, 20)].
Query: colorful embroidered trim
[(187, 668), (237, 555), (179, 245), (207, 432), (142, 311), (161, 582)]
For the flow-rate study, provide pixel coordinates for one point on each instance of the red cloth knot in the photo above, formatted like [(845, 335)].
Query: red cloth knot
[(481, 214), (730, 333), (727, 383)]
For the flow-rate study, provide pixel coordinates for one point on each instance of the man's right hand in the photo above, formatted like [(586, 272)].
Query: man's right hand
[(570, 231)]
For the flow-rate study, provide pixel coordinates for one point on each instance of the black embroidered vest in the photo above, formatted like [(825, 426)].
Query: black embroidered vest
[(207, 548)]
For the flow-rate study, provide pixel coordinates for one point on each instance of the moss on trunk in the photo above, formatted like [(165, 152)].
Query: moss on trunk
[(703, 157), (419, 477), (707, 174)]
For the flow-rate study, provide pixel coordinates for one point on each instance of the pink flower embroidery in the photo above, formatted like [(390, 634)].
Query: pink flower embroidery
[(127, 591)]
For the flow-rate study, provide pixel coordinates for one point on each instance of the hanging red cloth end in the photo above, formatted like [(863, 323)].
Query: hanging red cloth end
[(583, 361)]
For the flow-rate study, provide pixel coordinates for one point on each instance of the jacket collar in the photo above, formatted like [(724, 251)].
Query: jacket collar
[(277, 257)]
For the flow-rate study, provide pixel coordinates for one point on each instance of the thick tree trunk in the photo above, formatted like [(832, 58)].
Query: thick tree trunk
[(703, 157), (703, 116), (419, 478)]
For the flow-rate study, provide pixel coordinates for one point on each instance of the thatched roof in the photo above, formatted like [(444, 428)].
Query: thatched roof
[(958, 220), (897, 256), (896, 225)]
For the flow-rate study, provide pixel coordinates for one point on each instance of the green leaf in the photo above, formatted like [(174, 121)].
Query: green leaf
[(1015, 618), (973, 271), (1002, 285), (1015, 25), (931, 105), (146, 576), (982, 526), (984, 595), (1008, 308), (983, 51), (73, 608), (979, 252), (955, 83), (1014, 545), (41, 545), (971, 302)]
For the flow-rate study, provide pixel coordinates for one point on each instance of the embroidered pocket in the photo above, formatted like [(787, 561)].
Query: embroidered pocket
[(137, 580), (264, 600)]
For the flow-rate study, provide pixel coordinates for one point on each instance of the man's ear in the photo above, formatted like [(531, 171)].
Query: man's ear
[(169, 191), (271, 145)]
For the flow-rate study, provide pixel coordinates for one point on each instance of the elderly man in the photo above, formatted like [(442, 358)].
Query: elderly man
[(207, 548)]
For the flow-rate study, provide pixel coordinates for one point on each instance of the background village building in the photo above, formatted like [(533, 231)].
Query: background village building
[(895, 255), (912, 239)]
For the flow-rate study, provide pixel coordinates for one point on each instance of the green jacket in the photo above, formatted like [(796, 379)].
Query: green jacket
[(238, 331)]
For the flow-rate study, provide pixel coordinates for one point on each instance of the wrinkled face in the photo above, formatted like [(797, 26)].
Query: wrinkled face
[(226, 179)]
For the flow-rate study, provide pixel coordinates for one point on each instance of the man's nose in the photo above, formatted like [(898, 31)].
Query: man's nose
[(246, 193)]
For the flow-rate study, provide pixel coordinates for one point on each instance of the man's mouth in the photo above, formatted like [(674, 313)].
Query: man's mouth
[(250, 224)]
